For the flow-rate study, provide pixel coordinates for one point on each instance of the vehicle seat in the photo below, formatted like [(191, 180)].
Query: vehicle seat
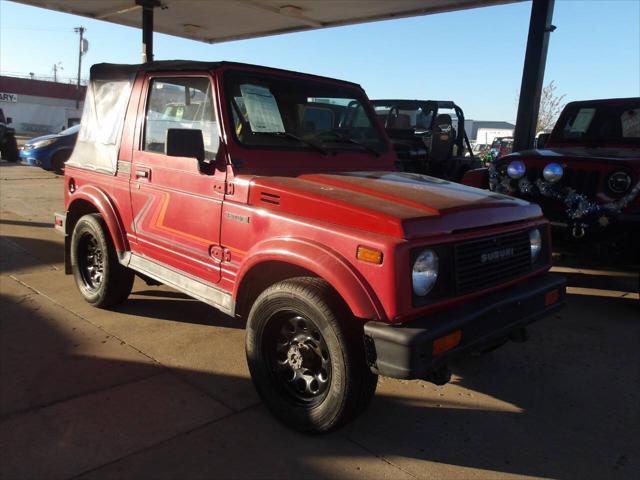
[(442, 139), (308, 128), (400, 122)]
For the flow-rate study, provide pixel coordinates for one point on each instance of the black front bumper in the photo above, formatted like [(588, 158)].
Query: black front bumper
[(405, 351)]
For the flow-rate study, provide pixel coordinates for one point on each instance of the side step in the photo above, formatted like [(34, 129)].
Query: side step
[(182, 282)]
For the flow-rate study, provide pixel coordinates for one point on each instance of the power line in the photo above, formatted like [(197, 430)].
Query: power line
[(43, 77)]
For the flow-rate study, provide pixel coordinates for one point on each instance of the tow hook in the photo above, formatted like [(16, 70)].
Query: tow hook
[(520, 335), (441, 376)]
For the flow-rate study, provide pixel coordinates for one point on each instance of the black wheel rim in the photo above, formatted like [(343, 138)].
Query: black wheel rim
[(298, 358), (90, 261)]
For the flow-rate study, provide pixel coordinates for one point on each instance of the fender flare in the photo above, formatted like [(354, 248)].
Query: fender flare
[(104, 205), (327, 264)]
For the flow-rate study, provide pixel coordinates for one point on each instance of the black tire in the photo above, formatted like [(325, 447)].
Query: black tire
[(298, 333), (10, 150), (102, 281), (58, 160)]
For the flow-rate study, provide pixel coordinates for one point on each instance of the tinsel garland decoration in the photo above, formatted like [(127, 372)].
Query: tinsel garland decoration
[(581, 212)]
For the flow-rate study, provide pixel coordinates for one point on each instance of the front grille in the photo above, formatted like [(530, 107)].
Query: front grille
[(582, 181), (489, 261)]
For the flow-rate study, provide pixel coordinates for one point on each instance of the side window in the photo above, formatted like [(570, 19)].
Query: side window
[(630, 120), (180, 103), (578, 125), (360, 119)]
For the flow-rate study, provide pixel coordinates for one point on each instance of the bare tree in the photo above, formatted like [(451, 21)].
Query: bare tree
[(551, 104)]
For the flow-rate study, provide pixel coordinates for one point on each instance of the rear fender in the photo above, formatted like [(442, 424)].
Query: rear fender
[(105, 208), (325, 263)]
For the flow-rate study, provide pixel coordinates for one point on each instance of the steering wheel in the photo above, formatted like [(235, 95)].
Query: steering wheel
[(390, 115)]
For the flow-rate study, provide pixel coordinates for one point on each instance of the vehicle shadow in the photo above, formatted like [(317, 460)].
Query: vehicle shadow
[(562, 405), (19, 253), (163, 304)]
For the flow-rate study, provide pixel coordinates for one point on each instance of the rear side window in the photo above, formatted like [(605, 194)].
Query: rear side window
[(180, 103)]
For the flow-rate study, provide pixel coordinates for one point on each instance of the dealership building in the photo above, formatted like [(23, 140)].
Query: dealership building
[(38, 107)]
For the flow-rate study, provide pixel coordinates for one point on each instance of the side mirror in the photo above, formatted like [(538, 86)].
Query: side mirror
[(9, 120), (542, 140), (184, 142)]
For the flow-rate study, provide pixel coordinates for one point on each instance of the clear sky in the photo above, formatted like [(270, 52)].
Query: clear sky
[(473, 57)]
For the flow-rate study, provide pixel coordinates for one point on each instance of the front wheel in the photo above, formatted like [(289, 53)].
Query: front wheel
[(10, 151), (306, 356), (102, 281)]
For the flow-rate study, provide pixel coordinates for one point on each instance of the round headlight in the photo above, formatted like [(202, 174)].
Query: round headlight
[(619, 182), (516, 169), (553, 172), (536, 244), (425, 272)]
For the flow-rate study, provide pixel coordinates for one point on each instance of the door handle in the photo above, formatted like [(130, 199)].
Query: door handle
[(142, 174)]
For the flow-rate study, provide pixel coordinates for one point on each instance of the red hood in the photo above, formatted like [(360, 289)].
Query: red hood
[(403, 205)]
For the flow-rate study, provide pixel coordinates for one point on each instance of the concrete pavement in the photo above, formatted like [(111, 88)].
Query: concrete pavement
[(159, 387)]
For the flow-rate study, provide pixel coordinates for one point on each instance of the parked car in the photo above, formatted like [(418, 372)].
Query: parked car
[(50, 151), (587, 176), (8, 144), (425, 137), (479, 150), (293, 217), (501, 146)]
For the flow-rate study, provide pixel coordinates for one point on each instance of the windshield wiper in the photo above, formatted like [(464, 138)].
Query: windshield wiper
[(353, 141), (294, 137)]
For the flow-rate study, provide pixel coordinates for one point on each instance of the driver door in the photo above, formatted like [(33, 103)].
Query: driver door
[(177, 201)]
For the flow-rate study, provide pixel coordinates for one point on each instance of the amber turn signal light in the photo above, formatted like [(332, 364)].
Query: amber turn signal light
[(446, 343), (551, 297), (369, 255)]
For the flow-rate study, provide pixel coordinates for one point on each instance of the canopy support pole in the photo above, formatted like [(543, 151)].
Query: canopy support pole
[(533, 73), (147, 28)]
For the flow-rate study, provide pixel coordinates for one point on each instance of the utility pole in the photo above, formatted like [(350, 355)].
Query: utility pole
[(81, 51), (56, 67)]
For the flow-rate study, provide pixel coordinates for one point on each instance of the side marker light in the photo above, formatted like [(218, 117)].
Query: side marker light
[(551, 297), (369, 255), (446, 343)]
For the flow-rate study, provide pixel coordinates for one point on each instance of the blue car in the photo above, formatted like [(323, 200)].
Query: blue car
[(50, 151)]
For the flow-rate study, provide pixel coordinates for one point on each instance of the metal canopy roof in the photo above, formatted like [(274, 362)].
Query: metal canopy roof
[(223, 20)]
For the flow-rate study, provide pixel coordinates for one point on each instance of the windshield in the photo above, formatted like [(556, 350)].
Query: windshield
[(600, 123), (502, 143), (71, 130), (393, 117), (278, 112)]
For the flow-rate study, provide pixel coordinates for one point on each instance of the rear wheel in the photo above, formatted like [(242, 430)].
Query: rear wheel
[(102, 281), (306, 356)]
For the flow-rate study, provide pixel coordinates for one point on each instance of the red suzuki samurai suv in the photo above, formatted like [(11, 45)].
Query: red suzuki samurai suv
[(272, 196)]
